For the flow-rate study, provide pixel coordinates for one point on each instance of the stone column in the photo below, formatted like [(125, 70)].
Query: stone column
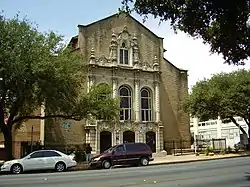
[(114, 87), (136, 105), (88, 136), (121, 137), (97, 141), (113, 137), (90, 81), (137, 135), (157, 101), (157, 138)]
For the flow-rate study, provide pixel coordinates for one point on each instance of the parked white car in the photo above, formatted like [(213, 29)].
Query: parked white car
[(40, 160)]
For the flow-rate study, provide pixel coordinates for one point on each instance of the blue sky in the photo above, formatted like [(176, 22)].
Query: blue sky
[(64, 16)]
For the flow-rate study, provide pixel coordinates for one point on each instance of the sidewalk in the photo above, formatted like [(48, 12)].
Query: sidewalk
[(170, 159)]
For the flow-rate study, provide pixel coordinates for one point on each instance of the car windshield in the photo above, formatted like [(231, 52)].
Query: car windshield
[(109, 150)]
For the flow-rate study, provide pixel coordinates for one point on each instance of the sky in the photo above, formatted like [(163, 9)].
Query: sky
[(63, 17)]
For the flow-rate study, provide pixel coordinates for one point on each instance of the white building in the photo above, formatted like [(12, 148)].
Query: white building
[(217, 129)]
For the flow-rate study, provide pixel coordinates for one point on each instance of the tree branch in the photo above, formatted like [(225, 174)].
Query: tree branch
[(245, 119), (21, 118), (238, 125)]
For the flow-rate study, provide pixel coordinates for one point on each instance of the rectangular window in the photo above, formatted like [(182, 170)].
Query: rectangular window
[(146, 115), (124, 56)]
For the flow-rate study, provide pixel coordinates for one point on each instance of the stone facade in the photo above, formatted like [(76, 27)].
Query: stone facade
[(124, 54)]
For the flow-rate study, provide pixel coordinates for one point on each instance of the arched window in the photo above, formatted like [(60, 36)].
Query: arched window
[(146, 105), (124, 59), (125, 104)]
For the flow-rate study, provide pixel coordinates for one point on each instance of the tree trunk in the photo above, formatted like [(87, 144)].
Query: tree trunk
[(8, 143), (239, 126), (248, 146)]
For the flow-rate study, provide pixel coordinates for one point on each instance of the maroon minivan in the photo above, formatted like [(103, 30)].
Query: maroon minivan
[(123, 154)]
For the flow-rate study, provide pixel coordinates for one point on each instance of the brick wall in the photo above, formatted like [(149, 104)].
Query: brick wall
[(173, 91)]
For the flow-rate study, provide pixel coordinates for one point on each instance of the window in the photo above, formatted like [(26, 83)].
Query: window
[(146, 105), (37, 154), (119, 149), (125, 104), (124, 59), (51, 154)]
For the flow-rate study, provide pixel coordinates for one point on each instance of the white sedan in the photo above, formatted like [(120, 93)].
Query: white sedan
[(40, 160)]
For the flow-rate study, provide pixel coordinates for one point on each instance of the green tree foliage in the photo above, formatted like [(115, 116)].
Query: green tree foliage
[(224, 25), (38, 69), (226, 95)]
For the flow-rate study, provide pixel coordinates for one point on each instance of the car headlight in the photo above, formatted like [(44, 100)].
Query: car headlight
[(96, 159), (6, 163)]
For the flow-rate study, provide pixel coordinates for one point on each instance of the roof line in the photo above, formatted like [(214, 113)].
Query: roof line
[(117, 14), (174, 65)]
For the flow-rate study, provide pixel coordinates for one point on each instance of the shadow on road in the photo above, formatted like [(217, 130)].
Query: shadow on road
[(247, 176)]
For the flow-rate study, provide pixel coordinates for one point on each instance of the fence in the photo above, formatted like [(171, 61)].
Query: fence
[(182, 146), (217, 145), (178, 146)]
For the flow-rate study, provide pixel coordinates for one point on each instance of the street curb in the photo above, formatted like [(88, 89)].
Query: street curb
[(177, 162), (198, 160)]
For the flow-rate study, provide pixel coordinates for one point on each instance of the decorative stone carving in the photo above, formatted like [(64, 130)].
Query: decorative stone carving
[(145, 65), (105, 126), (113, 49), (156, 64), (102, 60), (127, 126), (135, 52), (92, 57)]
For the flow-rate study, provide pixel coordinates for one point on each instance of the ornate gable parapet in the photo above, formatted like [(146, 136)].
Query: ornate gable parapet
[(124, 52)]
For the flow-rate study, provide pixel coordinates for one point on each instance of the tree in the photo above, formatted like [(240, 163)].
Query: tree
[(38, 69), (224, 25), (226, 95)]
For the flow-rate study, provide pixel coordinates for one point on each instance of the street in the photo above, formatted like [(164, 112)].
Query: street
[(217, 173)]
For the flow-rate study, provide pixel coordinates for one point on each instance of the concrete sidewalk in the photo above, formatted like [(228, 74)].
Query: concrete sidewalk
[(170, 159)]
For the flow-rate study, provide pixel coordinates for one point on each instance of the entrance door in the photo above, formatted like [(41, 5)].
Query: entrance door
[(151, 140), (128, 137), (105, 140)]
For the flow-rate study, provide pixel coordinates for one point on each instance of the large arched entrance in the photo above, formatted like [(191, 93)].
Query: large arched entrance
[(128, 137), (151, 140), (105, 140)]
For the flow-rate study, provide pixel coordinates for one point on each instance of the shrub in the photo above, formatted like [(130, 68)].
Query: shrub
[(208, 150)]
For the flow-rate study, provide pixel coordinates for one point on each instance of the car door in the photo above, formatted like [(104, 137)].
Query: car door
[(34, 161), (50, 158), (119, 155), (132, 153)]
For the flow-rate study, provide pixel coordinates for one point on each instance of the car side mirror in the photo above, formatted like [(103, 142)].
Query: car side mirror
[(113, 152), (28, 157)]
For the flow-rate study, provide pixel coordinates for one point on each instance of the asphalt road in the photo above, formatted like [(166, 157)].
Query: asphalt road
[(218, 173)]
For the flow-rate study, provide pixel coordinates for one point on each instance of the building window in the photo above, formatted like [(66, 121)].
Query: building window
[(146, 105), (124, 57), (125, 104)]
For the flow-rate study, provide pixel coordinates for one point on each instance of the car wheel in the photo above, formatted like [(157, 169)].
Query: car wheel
[(60, 166), (106, 164), (144, 161), (16, 169)]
